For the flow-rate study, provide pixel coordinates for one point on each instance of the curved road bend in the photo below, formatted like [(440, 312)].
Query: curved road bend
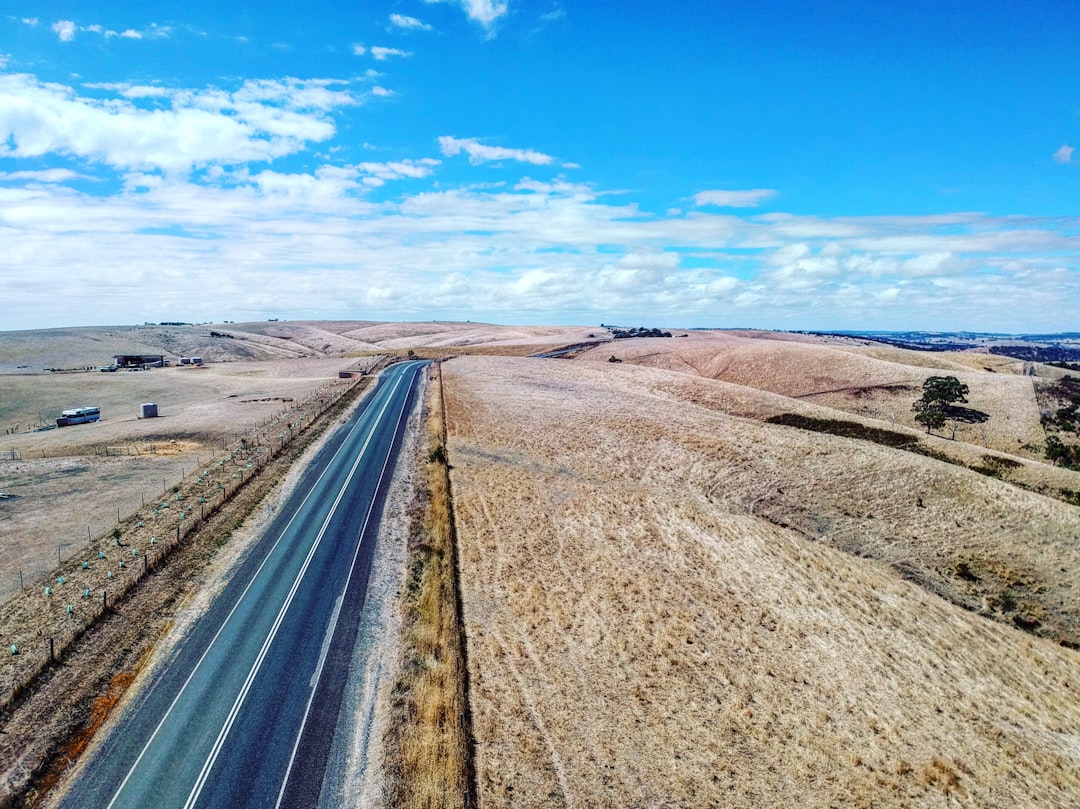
[(243, 712)]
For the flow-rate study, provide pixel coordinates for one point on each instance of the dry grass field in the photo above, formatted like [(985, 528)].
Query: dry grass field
[(850, 375), (671, 602), (71, 479)]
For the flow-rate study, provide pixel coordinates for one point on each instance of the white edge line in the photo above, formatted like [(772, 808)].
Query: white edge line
[(333, 627), (211, 759), (228, 617)]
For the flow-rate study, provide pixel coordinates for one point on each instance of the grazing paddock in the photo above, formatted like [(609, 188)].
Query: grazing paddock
[(670, 604)]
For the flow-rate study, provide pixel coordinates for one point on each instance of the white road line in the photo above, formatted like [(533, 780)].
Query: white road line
[(333, 625), (208, 764), (228, 617)]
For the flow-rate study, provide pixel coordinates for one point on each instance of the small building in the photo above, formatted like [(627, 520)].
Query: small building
[(139, 360)]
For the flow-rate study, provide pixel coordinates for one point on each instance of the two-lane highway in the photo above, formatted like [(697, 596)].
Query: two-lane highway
[(243, 711)]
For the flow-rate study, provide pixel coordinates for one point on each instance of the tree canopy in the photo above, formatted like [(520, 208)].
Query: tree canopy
[(939, 394)]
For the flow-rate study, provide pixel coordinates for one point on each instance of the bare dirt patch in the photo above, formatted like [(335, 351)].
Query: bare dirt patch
[(643, 630)]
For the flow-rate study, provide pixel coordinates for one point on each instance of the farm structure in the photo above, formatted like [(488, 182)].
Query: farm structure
[(139, 360)]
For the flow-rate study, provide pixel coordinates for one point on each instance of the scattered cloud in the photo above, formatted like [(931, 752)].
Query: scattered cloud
[(406, 23), (733, 199), (65, 29), (1064, 154), (31, 21), (382, 54), (358, 49), (377, 174), (480, 153), (485, 12), (4, 59), (382, 92)]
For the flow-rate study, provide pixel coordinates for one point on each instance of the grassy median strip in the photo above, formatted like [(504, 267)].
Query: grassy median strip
[(429, 747)]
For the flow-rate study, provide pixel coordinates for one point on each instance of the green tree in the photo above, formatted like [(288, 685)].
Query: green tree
[(930, 415), (944, 390), (934, 408)]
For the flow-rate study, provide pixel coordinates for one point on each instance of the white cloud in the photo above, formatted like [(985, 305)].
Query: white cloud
[(382, 54), (131, 33), (4, 59), (39, 176), (381, 91), (31, 21), (65, 29), (480, 153), (733, 199), (377, 174), (261, 120), (485, 12), (358, 49), (1064, 154), (408, 23)]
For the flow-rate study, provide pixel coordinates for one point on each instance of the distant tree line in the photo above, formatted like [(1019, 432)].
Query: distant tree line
[(1038, 353), (1062, 421), (637, 331)]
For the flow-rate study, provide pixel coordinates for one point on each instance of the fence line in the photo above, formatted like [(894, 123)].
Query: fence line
[(56, 610)]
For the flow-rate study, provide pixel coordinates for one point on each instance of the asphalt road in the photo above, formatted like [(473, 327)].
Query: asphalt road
[(243, 712)]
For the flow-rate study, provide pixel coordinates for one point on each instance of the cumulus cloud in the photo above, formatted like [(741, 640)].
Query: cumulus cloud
[(1064, 154), (481, 153), (65, 29), (31, 21), (381, 91), (485, 12), (382, 54), (260, 120), (377, 174), (358, 49), (408, 23), (311, 244), (4, 59), (733, 199)]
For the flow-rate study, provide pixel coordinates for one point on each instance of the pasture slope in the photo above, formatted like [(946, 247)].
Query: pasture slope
[(671, 601)]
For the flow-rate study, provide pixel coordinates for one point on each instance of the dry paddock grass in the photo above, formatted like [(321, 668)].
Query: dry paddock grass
[(642, 632), (873, 381), (428, 760)]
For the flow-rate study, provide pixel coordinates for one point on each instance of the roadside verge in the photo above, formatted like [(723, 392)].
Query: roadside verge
[(429, 747)]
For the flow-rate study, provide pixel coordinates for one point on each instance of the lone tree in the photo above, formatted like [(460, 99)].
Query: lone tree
[(935, 406)]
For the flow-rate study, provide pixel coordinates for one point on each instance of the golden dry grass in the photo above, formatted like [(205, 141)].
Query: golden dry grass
[(428, 757), (643, 631), (72, 478), (872, 381)]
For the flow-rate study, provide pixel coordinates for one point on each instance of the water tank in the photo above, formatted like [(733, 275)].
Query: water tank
[(148, 410)]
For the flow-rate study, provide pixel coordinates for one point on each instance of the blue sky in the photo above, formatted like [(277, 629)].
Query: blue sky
[(786, 165)]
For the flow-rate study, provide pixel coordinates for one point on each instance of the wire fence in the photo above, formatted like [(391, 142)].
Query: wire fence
[(50, 613)]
